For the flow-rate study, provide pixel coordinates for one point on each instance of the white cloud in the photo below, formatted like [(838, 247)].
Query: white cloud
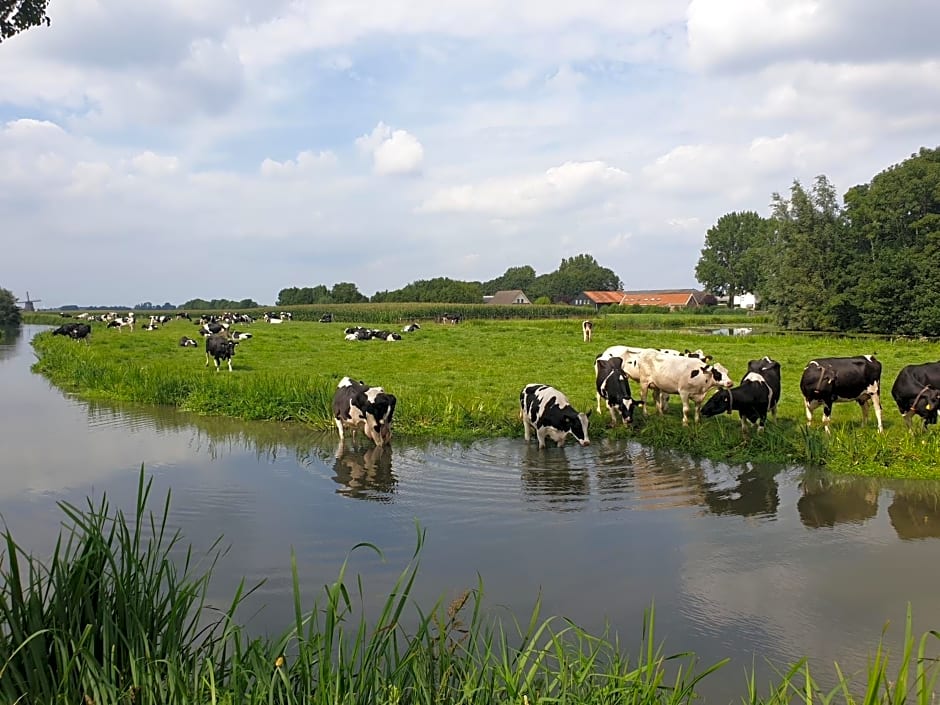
[(305, 163), (392, 151)]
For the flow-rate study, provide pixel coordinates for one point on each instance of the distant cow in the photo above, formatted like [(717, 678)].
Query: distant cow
[(688, 377), (220, 347), (186, 342), (613, 386), (76, 331), (359, 406), (450, 318), (917, 391), (548, 412), (827, 380), (326, 318), (587, 329), (410, 328)]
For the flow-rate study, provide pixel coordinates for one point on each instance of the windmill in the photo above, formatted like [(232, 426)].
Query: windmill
[(28, 304)]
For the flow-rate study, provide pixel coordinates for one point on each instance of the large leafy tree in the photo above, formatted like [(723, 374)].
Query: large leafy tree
[(438, 290), (347, 293), (575, 274), (9, 312), (730, 263), (513, 278), (19, 15)]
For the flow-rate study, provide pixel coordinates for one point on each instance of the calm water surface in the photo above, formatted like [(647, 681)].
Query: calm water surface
[(740, 560)]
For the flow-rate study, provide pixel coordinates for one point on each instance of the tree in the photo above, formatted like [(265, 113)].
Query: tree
[(439, 290), (730, 263), (513, 278), (9, 312), (19, 15), (347, 293)]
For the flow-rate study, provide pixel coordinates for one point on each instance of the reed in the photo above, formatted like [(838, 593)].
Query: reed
[(118, 614), (462, 382)]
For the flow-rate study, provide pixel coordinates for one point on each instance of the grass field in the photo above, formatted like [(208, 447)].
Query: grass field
[(462, 382)]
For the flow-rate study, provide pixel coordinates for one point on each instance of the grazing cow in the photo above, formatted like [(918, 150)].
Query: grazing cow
[(76, 331), (410, 328), (613, 386), (119, 323), (451, 318), (186, 342), (752, 399), (220, 347), (549, 413), (917, 391), (629, 356), (688, 377), (359, 406), (587, 328), (827, 380), (214, 327), (770, 370), (326, 318)]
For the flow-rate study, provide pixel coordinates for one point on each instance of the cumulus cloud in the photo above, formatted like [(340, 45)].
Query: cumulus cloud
[(570, 185), (392, 151), (305, 163)]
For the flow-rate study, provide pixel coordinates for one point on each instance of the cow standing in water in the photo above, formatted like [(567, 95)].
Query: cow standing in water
[(548, 412), (359, 406)]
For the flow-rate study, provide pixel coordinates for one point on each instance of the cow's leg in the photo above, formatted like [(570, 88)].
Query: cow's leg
[(810, 406), (599, 409), (864, 404), (876, 402), (540, 434), (339, 427), (526, 427), (827, 416), (907, 415), (230, 364), (685, 408), (207, 359)]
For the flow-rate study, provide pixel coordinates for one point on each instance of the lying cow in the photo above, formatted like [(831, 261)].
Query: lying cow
[(753, 399), (917, 391), (827, 380), (220, 347), (688, 377), (549, 413), (326, 318), (613, 386), (359, 406), (587, 328), (187, 342)]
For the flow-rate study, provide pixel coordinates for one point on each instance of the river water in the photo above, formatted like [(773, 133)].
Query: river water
[(751, 562)]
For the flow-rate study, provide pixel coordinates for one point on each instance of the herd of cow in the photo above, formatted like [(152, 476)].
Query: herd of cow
[(688, 374)]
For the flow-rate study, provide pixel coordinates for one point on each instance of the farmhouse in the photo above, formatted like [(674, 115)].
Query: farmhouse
[(670, 298), (597, 299), (514, 296)]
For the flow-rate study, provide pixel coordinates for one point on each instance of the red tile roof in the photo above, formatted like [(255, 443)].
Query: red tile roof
[(604, 297)]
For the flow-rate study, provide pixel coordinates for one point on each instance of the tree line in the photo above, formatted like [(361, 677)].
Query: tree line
[(865, 265)]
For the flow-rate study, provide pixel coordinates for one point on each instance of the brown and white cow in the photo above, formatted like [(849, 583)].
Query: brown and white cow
[(827, 380), (359, 406), (688, 377), (629, 356)]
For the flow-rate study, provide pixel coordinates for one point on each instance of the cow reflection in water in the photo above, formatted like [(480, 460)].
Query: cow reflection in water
[(828, 501), (550, 477), (915, 512), (365, 473)]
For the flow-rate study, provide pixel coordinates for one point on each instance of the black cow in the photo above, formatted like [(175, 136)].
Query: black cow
[(359, 406), (549, 413), (827, 380), (753, 399), (917, 391), (187, 342), (220, 348), (76, 331), (613, 386), (770, 370)]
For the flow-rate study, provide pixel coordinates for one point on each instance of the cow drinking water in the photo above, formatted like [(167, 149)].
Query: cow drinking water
[(359, 406), (548, 412)]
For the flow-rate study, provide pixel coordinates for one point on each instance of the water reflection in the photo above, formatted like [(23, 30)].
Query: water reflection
[(9, 335), (829, 500), (365, 473), (549, 476), (915, 511)]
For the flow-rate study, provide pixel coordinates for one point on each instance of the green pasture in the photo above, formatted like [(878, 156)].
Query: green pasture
[(462, 382)]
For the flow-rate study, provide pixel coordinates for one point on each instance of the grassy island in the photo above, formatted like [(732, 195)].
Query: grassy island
[(462, 382)]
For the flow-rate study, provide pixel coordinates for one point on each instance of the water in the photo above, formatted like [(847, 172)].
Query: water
[(739, 560)]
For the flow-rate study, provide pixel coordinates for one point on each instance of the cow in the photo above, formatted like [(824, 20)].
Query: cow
[(587, 329), (827, 380), (613, 386), (688, 377), (76, 331), (411, 328), (451, 318), (629, 356), (238, 335), (548, 412), (917, 391), (753, 399), (359, 406), (187, 342), (326, 318), (770, 370), (220, 347)]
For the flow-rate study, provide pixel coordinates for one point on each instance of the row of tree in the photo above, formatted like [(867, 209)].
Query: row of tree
[(866, 265), (576, 274)]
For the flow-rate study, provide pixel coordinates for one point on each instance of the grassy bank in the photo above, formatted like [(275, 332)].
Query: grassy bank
[(462, 382), (118, 614)]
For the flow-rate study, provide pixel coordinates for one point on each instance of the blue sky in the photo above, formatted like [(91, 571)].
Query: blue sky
[(169, 150)]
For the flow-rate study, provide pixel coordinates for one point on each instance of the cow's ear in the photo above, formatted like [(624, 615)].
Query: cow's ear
[(708, 358), (695, 373)]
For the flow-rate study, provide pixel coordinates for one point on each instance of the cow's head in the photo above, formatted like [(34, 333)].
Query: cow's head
[(577, 425), (717, 373), (719, 403), (926, 405)]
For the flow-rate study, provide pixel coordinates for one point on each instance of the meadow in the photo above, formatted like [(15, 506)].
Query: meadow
[(462, 382)]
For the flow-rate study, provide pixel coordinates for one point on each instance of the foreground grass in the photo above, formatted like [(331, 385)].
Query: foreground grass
[(118, 614), (462, 382)]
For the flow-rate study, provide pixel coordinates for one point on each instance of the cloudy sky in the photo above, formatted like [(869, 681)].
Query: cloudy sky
[(163, 150)]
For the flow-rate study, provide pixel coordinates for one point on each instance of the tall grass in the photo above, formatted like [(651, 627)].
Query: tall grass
[(118, 614)]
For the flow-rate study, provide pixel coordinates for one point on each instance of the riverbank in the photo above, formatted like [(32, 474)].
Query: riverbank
[(119, 614), (462, 382)]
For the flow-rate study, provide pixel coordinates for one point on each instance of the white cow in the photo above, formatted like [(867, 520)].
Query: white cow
[(688, 377), (629, 356)]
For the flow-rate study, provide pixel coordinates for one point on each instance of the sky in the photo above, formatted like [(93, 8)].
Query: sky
[(164, 150)]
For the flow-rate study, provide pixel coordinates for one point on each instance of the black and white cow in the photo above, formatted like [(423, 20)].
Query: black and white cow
[(411, 328), (827, 380), (917, 391), (76, 331), (613, 387), (220, 347), (451, 318), (326, 318), (187, 342), (239, 335), (587, 329), (548, 412), (359, 406), (753, 399)]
